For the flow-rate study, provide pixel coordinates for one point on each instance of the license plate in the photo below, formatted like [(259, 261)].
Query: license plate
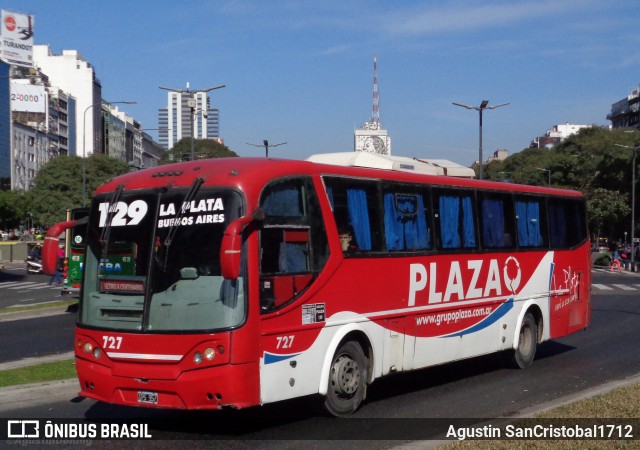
[(147, 397)]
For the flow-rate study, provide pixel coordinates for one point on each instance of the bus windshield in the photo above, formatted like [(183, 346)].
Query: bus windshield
[(152, 262)]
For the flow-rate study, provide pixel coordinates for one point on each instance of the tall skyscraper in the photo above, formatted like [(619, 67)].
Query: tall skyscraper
[(175, 123), (70, 72)]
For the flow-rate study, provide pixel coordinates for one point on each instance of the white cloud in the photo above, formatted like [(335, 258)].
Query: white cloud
[(474, 15)]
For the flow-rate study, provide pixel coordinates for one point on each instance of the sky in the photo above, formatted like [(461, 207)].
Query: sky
[(301, 72)]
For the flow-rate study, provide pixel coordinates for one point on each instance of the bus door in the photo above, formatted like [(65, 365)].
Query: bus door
[(293, 250)]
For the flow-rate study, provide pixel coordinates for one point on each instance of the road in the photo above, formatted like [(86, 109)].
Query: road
[(17, 288), (472, 389)]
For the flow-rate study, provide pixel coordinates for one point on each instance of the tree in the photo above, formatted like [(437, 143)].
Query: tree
[(604, 210), (58, 185), (14, 208), (203, 149), (590, 162)]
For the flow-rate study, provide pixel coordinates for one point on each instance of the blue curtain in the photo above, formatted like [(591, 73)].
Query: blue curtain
[(393, 228), (330, 195), (528, 221), (359, 216), (522, 222), (416, 233), (405, 222), (283, 202), (468, 228), (493, 223), (449, 221), (533, 224)]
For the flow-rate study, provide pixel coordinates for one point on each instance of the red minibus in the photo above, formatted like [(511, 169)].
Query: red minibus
[(253, 280)]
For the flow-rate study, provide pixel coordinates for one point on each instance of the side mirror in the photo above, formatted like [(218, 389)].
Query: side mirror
[(231, 248)]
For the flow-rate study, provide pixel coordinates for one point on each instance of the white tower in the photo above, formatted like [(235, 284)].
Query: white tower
[(371, 137)]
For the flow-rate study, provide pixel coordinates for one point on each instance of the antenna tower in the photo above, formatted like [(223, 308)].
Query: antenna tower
[(375, 112)]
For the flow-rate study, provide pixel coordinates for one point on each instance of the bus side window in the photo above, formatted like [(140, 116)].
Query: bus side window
[(496, 220), (530, 221), (405, 223), (293, 241), (565, 227), (355, 209), (455, 218)]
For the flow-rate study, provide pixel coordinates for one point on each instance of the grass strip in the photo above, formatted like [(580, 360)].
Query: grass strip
[(58, 370), (10, 309)]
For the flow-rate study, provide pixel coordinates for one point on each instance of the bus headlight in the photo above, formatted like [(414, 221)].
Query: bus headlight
[(209, 354), (197, 358), (88, 347), (97, 353)]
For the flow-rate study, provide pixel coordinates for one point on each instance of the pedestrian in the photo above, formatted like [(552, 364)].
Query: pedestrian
[(57, 275), (615, 264), (625, 260)]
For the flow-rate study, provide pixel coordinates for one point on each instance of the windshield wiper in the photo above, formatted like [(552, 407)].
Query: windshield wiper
[(183, 210), (176, 222)]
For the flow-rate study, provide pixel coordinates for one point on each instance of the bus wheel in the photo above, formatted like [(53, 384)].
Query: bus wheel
[(347, 380), (527, 343)]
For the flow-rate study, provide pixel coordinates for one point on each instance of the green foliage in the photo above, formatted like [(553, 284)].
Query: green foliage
[(605, 208), (591, 162), (58, 186), (203, 149), (14, 209), (602, 259)]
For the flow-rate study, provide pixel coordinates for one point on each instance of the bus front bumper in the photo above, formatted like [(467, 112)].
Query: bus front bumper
[(215, 387)]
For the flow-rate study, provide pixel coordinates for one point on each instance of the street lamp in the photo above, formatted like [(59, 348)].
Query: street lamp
[(265, 144), (480, 108), (548, 171), (191, 103), (84, 144), (633, 199)]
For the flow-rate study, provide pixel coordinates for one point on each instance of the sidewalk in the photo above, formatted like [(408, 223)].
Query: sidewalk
[(28, 395), (12, 265)]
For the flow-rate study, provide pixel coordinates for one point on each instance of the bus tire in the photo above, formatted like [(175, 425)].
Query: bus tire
[(347, 380), (527, 343)]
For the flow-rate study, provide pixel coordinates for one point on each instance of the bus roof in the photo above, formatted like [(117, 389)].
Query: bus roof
[(253, 173), (398, 163)]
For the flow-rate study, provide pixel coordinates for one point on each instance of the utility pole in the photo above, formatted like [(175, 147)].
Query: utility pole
[(480, 108), (265, 144)]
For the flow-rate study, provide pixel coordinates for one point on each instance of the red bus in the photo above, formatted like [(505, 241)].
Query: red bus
[(240, 292)]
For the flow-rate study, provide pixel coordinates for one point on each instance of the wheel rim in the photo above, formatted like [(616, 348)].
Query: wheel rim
[(345, 377)]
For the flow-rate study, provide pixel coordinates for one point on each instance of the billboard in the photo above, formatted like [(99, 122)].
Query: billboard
[(28, 97), (16, 33)]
